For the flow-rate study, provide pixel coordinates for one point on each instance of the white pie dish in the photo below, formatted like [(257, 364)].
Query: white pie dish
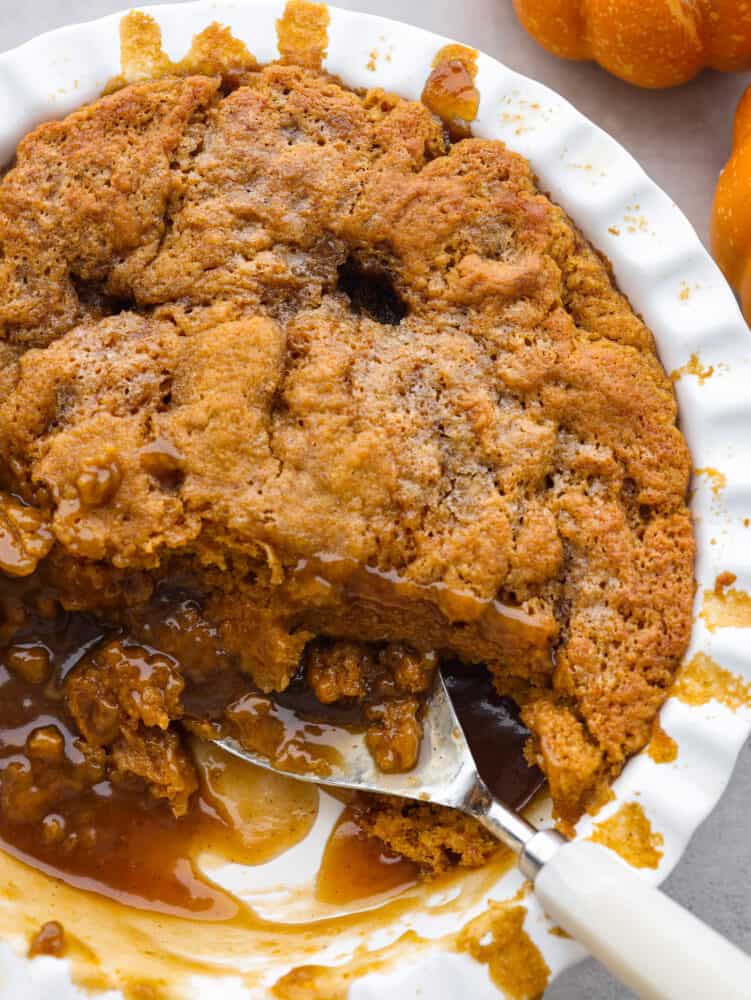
[(670, 279)]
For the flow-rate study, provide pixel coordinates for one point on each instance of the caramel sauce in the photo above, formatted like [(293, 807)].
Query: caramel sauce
[(122, 844), (98, 483), (702, 680), (629, 833), (116, 868), (161, 459), (49, 940), (302, 33), (497, 938), (662, 748), (112, 838), (450, 91), (331, 577), (25, 536), (723, 581), (116, 946), (262, 814), (726, 607), (355, 866), (323, 982), (332, 982), (290, 743)]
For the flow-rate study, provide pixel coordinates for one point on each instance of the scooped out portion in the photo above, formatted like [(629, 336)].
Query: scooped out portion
[(295, 389)]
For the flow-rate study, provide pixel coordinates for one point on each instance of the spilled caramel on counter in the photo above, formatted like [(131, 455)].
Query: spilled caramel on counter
[(662, 748), (702, 680), (497, 939), (450, 90), (693, 367), (726, 608), (629, 833), (214, 52), (302, 33)]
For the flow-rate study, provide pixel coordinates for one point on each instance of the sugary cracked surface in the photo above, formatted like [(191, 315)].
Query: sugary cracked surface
[(349, 380)]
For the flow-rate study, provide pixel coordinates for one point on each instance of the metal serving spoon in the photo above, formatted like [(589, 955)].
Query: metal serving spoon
[(650, 942)]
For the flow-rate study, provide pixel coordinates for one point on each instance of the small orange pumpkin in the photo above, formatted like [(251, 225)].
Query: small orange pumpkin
[(652, 43), (731, 212)]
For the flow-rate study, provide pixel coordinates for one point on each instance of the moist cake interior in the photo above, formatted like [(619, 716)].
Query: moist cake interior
[(293, 388)]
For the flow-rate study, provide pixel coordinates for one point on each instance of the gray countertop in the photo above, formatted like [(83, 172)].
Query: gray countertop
[(681, 137)]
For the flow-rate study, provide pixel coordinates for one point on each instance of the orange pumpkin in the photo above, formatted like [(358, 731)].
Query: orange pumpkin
[(731, 213), (652, 43)]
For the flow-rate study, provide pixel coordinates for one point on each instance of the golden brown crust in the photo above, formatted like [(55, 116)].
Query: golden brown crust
[(358, 384)]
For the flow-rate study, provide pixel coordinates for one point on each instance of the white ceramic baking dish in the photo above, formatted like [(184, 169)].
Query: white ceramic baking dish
[(670, 279)]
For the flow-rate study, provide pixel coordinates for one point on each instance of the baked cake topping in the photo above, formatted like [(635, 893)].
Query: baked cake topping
[(286, 349)]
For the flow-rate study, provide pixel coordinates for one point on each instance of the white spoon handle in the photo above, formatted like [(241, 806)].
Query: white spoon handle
[(649, 942)]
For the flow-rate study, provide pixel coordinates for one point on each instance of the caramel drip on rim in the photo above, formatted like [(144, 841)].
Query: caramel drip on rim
[(726, 608), (450, 90), (662, 748), (629, 833), (702, 680), (497, 939)]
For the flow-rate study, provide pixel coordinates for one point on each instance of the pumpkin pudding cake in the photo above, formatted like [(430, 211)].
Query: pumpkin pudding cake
[(295, 390)]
